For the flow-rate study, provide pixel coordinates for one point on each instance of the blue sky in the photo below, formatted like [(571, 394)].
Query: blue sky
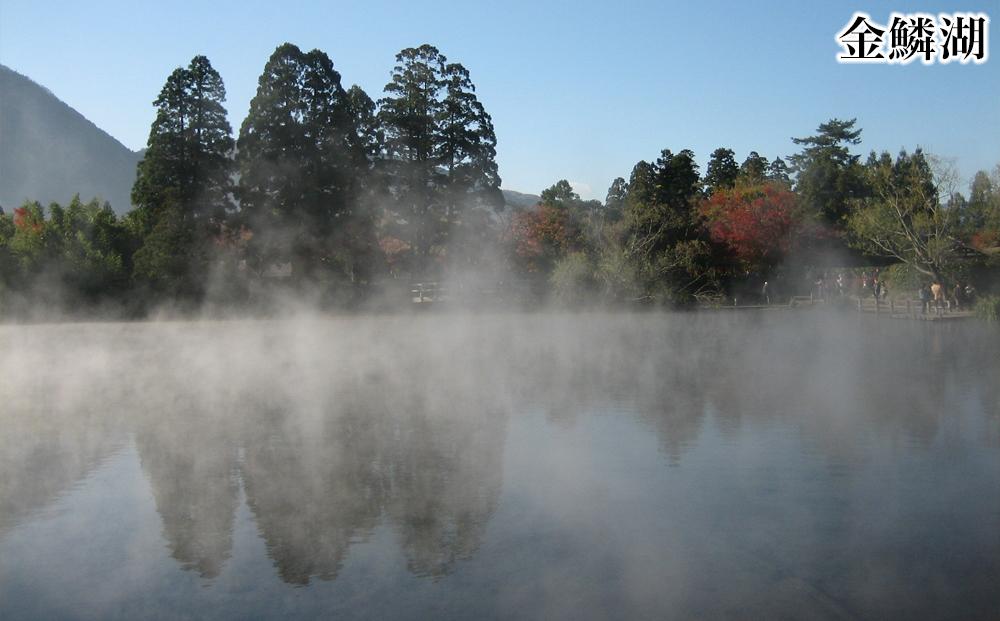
[(578, 90)]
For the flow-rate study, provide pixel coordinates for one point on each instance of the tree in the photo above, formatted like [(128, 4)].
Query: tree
[(777, 172), (754, 169), (91, 246), (827, 176), (661, 198), (365, 122), (904, 218), (614, 202), (721, 171), (186, 171), (439, 150), (663, 242), (984, 200), (758, 224), (75, 255), (981, 213), (304, 152), (29, 243), (560, 195), (188, 154), (158, 265), (549, 231)]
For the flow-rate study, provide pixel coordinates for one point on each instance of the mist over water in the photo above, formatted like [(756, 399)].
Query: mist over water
[(536, 465)]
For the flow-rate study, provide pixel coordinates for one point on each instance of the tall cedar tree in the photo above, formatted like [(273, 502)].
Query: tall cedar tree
[(302, 164), (439, 150), (184, 176), (722, 170)]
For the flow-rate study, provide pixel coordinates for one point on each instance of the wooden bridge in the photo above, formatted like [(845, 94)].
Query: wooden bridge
[(908, 308)]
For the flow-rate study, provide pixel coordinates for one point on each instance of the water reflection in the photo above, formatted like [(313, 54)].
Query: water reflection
[(192, 474), (838, 465)]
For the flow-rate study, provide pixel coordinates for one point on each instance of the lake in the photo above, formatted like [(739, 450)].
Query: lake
[(770, 465)]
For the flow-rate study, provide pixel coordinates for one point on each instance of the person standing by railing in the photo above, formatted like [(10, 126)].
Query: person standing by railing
[(937, 293), (925, 298)]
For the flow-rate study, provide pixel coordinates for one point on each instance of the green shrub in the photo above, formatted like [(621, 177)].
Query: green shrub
[(573, 279), (988, 307)]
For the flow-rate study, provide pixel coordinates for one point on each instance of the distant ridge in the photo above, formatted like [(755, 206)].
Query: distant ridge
[(520, 200), (49, 151)]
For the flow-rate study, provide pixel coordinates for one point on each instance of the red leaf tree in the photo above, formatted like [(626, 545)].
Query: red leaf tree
[(758, 224), (541, 235)]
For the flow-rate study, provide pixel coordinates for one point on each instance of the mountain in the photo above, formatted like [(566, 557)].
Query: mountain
[(520, 200), (49, 151)]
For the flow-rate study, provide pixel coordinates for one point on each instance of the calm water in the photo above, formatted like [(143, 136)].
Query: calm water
[(773, 465)]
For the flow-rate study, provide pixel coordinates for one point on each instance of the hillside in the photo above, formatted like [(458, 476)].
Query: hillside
[(520, 200), (49, 151)]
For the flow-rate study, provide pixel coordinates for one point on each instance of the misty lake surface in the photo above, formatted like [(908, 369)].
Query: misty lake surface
[(766, 465)]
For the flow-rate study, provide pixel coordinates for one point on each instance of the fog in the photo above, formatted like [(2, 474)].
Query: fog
[(772, 464)]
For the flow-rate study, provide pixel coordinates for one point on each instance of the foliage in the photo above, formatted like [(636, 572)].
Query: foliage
[(573, 281), (561, 223), (76, 254), (92, 245), (614, 203), (759, 224), (541, 235), (904, 218), (827, 176), (721, 171), (903, 278), (158, 265), (303, 160), (336, 188), (662, 235), (188, 154), (987, 307), (439, 150), (185, 178), (980, 215), (754, 169)]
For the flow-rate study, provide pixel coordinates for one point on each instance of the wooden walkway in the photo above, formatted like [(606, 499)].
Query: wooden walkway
[(910, 309), (889, 309)]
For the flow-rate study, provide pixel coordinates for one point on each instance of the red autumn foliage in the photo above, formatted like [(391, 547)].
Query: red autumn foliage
[(26, 221), (759, 224), (540, 235)]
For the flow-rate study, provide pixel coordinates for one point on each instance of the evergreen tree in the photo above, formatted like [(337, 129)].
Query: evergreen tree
[(365, 121), (302, 163), (828, 176), (188, 154), (186, 172), (754, 169), (721, 171), (778, 172), (614, 202), (439, 150), (983, 207), (664, 242)]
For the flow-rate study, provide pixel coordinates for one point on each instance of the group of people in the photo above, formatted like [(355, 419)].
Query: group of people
[(865, 284), (957, 298), (874, 285), (870, 283)]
